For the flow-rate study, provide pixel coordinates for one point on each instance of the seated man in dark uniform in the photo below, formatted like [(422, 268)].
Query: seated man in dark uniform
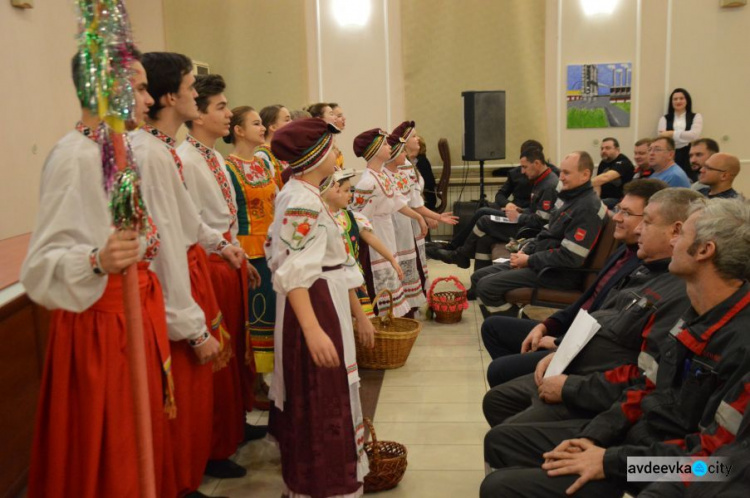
[(688, 395), (566, 241), (488, 230)]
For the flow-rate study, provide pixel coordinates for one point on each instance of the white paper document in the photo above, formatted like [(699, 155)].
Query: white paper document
[(501, 260), (502, 219), (579, 334)]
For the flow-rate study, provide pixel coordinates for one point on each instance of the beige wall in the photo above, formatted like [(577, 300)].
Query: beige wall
[(40, 105), (358, 68), (687, 43), (259, 46), (450, 47)]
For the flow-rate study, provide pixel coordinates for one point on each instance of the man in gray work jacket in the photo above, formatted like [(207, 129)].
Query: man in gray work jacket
[(690, 396), (565, 242)]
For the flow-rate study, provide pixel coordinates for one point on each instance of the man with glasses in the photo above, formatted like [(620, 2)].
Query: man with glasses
[(718, 174), (648, 297), (516, 345), (661, 160)]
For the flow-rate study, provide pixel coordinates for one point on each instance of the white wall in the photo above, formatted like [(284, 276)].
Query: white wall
[(358, 68), (672, 43), (39, 104)]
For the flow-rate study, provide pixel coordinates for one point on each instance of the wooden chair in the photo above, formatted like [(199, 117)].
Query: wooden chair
[(441, 191), (553, 298)]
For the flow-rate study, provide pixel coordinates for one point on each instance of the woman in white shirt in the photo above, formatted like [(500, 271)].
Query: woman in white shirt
[(682, 125)]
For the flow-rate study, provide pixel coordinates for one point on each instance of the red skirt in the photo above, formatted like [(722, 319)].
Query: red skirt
[(229, 408), (84, 442), (315, 430), (191, 431)]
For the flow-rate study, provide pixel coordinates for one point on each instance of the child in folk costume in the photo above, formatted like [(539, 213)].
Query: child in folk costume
[(412, 186), (211, 191), (194, 321), (85, 418), (355, 225), (316, 415), (273, 118), (255, 192), (376, 198)]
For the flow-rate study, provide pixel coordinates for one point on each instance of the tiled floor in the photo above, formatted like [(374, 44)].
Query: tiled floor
[(432, 405)]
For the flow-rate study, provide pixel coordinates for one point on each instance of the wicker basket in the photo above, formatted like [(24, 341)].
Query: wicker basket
[(394, 338), (387, 462), (448, 305)]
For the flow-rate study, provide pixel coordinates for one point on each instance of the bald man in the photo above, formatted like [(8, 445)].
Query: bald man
[(718, 174)]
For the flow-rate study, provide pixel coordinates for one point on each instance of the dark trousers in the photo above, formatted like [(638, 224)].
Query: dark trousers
[(492, 282), (516, 450), (503, 336), (486, 233), (459, 239)]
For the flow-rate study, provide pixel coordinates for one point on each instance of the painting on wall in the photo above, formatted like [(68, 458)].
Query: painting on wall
[(599, 95)]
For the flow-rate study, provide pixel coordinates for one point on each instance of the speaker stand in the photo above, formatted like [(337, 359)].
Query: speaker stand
[(482, 197)]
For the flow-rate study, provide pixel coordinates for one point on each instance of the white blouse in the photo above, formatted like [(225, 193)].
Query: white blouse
[(683, 138), (180, 227), (73, 219), (205, 190), (304, 239)]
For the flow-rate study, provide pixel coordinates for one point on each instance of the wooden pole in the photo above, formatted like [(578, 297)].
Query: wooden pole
[(137, 359)]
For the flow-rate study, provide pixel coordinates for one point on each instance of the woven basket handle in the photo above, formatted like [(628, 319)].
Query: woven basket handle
[(453, 279), (389, 315), (374, 438)]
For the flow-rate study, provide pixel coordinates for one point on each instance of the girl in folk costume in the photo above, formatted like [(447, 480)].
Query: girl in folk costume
[(316, 415), (255, 192), (376, 199), (355, 225), (194, 321), (324, 111), (273, 118), (84, 444), (339, 121), (406, 132), (212, 193)]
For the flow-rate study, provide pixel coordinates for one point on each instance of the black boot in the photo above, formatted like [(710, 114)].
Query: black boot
[(253, 432), (224, 469), (453, 258)]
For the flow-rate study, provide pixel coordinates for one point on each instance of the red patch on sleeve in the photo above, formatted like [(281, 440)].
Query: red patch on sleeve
[(546, 205), (580, 234)]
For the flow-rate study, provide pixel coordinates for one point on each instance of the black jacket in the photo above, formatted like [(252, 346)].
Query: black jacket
[(692, 392), (621, 164), (517, 185), (572, 231), (559, 322), (649, 293), (543, 198)]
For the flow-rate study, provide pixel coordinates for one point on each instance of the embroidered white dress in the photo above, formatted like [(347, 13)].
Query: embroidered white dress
[(405, 243), (305, 243), (376, 198), (416, 200)]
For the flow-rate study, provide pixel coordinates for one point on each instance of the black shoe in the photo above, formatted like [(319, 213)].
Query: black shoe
[(253, 432), (224, 469), (471, 294), (453, 258), (432, 250)]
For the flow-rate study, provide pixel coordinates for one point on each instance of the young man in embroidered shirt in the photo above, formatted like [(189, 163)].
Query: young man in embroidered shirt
[(196, 329), (213, 196)]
